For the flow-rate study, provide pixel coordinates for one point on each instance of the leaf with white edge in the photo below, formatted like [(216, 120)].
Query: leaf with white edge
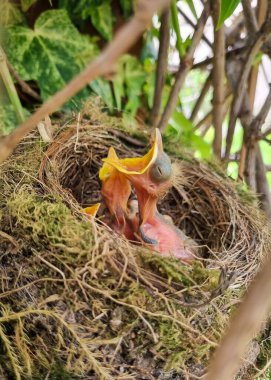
[(226, 10), (10, 13), (52, 53), (26, 4)]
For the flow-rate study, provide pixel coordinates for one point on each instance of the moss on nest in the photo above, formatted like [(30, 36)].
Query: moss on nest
[(77, 301)]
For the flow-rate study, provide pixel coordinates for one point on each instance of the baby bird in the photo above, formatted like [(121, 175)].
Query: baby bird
[(116, 190), (152, 176)]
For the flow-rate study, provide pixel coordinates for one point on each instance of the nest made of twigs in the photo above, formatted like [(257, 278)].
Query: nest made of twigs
[(79, 300), (206, 205)]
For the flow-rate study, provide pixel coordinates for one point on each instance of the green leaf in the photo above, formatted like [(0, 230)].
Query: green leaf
[(101, 17), (26, 4), (10, 13), (51, 54), (128, 83), (180, 123), (102, 88), (226, 10), (8, 119), (181, 130), (191, 5), (118, 88), (134, 78)]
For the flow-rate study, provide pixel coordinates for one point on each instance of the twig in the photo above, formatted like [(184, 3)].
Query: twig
[(231, 54), (25, 87), (208, 118), (260, 118), (263, 370), (218, 78), (244, 325), (250, 18), (252, 153), (129, 139), (102, 65), (185, 65), (11, 90), (261, 14), (201, 98), (233, 32), (262, 184), (161, 66), (194, 26), (256, 44)]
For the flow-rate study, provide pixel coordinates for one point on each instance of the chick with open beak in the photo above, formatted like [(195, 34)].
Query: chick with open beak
[(151, 177), (116, 190)]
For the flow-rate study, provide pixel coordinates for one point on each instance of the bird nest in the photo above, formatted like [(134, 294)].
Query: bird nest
[(79, 301)]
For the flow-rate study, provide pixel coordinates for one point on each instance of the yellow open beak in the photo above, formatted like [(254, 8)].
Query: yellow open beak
[(91, 210), (137, 165)]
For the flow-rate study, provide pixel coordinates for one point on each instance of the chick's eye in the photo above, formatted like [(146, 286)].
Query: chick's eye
[(157, 171), (161, 169)]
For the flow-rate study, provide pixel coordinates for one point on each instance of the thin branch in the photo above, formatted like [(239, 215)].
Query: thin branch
[(233, 32), (262, 184), (208, 118), (201, 98), (254, 170), (102, 65), (262, 115), (256, 45), (250, 17), (218, 79), (11, 90), (231, 54), (25, 87), (161, 66), (244, 325), (261, 14), (185, 65), (190, 22)]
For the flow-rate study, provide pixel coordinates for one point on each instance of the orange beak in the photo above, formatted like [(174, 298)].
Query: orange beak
[(116, 188), (150, 176)]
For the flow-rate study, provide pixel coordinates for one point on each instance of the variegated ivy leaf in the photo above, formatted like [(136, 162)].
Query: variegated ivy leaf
[(52, 53), (10, 13)]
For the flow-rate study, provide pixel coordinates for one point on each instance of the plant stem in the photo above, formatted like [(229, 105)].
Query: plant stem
[(176, 27), (161, 66), (11, 90)]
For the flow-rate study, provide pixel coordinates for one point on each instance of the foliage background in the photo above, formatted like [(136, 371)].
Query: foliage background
[(49, 42)]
